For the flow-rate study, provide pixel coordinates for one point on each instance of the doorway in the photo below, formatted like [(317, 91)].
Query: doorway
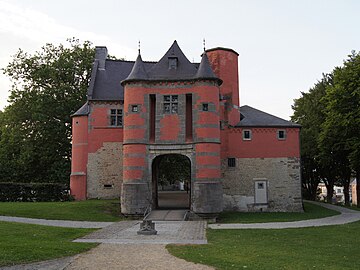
[(171, 182)]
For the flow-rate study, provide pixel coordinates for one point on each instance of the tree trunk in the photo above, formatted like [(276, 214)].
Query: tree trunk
[(330, 193), (358, 187), (346, 192)]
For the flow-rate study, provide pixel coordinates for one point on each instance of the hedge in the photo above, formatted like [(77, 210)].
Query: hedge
[(34, 192)]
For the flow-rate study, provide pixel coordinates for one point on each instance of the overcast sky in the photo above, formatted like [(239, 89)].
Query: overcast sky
[(284, 46)]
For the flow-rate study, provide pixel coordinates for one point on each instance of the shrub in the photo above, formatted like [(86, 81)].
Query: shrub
[(34, 192)]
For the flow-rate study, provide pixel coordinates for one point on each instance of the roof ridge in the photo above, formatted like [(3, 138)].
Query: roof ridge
[(255, 117)]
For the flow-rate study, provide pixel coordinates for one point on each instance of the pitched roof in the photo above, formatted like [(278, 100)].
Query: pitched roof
[(184, 70), (105, 84), (251, 117), (84, 110)]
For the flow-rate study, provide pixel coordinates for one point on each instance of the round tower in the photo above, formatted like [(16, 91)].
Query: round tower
[(79, 153), (135, 194)]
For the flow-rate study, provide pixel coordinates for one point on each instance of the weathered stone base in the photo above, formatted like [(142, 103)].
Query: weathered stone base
[(207, 198), (135, 198), (104, 172), (282, 176)]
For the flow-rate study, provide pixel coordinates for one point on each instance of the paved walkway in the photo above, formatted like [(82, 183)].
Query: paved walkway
[(346, 216), (57, 223), (168, 215)]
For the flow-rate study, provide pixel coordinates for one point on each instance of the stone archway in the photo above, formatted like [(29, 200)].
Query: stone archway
[(171, 181)]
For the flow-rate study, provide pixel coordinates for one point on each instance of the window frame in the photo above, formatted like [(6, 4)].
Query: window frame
[(133, 106), (117, 116), (278, 134), (250, 135), (205, 107), (231, 162), (171, 104)]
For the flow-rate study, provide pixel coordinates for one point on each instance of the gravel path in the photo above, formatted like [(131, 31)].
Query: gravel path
[(131, 256), (168, 232), (346, 216)]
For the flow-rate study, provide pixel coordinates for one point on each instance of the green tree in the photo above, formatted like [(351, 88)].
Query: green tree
[(343, 112), (35, 128), (309, 112), (174, 168)]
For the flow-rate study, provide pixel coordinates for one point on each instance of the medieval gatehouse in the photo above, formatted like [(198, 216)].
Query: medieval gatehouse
[(239, 158)]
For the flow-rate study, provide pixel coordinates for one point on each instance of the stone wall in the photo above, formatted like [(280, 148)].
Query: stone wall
[(104, 171), (283, 184)]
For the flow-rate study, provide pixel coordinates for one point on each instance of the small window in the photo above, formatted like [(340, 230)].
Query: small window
[(260, 185), (231, 162), (205, 107), (116, 117), (171, 104), (281, 134), (108, 186), (246, 135), (172, 63), (134, 108)]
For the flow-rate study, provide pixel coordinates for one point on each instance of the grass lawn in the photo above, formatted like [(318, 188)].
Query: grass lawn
[(24, 243), (90, 210), (311, 211), (329, 247)]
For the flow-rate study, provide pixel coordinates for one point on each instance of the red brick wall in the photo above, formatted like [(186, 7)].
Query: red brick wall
[(100, 130), (264, 143)]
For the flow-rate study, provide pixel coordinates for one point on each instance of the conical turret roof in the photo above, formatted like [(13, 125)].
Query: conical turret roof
[(138, 72), (205, 71)]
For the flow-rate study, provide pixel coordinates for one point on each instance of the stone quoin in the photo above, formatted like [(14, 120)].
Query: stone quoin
[(241, 158)]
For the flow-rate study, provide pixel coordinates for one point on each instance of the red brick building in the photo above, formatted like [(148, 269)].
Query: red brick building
[(240, 158)]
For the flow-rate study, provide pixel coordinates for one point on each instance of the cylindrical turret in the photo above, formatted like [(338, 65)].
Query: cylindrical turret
[(224, 62), (79, 156)]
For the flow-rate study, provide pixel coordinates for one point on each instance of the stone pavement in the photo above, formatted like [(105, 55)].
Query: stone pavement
[(57, 223), (167, 215), (346, 216), (168, 232)]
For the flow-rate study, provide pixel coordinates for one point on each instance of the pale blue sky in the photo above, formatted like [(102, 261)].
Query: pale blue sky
[(284, 46)]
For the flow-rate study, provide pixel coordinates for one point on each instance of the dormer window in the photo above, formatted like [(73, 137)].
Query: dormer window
[(173, 62)]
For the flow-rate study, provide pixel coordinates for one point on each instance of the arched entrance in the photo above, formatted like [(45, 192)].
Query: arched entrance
[(171, 182)]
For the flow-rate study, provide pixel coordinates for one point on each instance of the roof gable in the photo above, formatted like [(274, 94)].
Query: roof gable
[(184, 68), (251, 117)]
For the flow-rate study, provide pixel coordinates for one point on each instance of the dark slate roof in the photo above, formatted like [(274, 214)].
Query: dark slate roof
[(105, 84), (185, 69), (251, 117), (205, 71), (138, 71), (84, 110)]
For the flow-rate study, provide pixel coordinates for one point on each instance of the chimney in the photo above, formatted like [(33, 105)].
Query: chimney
[(101, 54)]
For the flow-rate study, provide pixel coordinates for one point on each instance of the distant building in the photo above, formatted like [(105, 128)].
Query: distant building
[(241, 158), (338, 195), (353, 192)]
